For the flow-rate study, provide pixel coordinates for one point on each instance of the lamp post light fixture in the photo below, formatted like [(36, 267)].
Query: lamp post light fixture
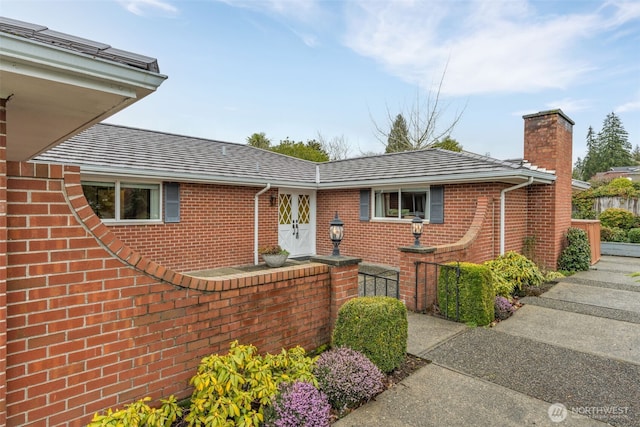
[(336, 233), (416, 229)]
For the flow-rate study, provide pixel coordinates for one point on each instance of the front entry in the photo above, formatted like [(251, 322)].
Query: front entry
[(296, 222)]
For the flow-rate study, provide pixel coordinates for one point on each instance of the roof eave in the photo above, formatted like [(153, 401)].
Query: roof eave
[(67, 90), (506, 176), (124, 173)]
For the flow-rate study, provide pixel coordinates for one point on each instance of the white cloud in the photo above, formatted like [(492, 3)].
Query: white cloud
[(137, 6), (487, 46), (570, 106), (628, 107)]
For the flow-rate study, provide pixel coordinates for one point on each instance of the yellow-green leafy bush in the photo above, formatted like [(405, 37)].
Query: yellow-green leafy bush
[(139, 414), (233, 390), (617, 218), (475, 291), (513, 271), (376, 327)]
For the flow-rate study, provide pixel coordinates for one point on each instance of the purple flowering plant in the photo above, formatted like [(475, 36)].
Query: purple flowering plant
[(299, 404), (503, 308), (347, 377)]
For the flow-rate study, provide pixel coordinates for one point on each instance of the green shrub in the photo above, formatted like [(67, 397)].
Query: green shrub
[(513, 271), (475, 291), (376, 327), (140, 414), (613, 234), (576, 256), (633, 236), (234, 389), (617, 218)]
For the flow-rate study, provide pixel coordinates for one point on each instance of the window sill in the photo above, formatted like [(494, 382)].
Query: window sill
[(397, 220), (133, 222)]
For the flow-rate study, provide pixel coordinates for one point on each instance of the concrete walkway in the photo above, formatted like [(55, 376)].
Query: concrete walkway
[(576, 347)]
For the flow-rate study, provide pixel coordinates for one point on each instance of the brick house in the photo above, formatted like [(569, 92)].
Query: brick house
[(92, 313), (191, 204)]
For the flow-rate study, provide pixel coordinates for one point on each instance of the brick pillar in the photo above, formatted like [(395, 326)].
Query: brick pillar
[(343, 272), (548, 141), (3, 262), (422, 296)]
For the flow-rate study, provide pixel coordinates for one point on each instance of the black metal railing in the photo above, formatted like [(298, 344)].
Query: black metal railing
[(379, 283)]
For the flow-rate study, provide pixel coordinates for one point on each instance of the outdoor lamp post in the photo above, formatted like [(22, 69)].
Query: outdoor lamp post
[(336, 232), (416, 229)]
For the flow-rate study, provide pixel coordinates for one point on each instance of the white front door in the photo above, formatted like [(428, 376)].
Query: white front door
[(296, 221)]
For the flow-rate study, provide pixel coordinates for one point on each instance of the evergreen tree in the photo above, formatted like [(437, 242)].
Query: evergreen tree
[(448, 143), (398, 139), (591, 160), (311, 151), (578, 169), (614, 145), (636, 154), (610, 148), (259, 140)]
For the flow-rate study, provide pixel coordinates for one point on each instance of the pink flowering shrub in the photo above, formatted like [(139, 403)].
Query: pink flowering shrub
[(503, 308), (299, 404), (347, 377)]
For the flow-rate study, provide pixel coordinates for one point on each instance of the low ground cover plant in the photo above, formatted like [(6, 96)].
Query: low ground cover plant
[(299, 404), (503, 308), (347, 377), (375, 326)]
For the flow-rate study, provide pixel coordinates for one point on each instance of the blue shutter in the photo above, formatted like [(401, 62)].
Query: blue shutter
[(436, 208), (171, 202), (365, 202)]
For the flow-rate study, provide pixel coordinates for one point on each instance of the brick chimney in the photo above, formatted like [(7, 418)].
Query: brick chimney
[(548, 143)]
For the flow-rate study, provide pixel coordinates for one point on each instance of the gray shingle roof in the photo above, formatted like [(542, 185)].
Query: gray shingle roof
[(106, 148)]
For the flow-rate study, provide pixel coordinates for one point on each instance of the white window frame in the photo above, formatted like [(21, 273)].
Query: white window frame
[(120, 183), (399, 189)]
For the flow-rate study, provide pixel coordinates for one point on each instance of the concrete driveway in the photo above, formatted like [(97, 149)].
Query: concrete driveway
[(569, 357)]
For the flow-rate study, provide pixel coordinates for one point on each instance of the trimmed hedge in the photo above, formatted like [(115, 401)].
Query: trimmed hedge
[(476, 293), (376, 327)]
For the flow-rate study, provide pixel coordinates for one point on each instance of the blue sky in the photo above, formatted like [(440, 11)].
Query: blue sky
[(299, 68)]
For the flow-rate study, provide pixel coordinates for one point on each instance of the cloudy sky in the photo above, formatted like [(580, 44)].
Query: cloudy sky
[(299, 68)]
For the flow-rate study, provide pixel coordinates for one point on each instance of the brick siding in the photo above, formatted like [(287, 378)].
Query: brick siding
[(92, 324), (378, 241), (3, 262), (216, 229)]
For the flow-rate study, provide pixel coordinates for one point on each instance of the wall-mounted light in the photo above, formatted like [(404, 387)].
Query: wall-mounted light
[(336, 233), (272, 200), (416, 229)]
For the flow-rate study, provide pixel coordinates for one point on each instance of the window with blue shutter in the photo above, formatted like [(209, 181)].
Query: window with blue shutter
[(365, 208), (436, 207), (171, 202)]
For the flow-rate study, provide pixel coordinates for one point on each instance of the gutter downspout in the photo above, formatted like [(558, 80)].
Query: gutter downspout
[(502, 206), (256, 222)]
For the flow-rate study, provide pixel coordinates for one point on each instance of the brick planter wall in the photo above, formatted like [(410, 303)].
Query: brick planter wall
[(91, 324)]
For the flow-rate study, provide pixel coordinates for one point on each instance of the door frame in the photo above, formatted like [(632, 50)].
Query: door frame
[(311, 244)]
